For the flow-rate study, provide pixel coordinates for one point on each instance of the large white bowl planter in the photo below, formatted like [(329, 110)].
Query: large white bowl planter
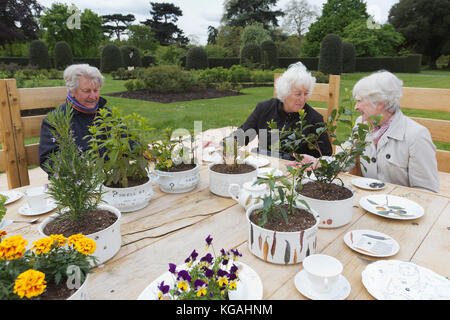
[(333, 213), (129, 199), (82, 292), (178, 182), (108, 241), (220, 182), (282, 247)]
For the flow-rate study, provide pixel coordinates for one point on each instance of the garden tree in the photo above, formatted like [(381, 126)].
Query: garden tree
[(384, 41), (164, 17), (212, 35), (299, 15), (17, 20), (336, 15), (425, 25), (230, 37), (254, 33), (119, 22), (142, 37), (244, 12), (83, 41)]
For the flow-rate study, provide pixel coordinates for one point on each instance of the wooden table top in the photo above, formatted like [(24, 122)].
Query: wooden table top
[(172, 225)]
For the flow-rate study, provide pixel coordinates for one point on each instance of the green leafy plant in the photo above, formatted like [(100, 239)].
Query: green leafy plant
[(2, 207), (75, 183), (120, 146)]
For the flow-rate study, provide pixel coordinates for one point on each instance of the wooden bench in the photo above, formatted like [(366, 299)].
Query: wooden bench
[(15, 156)]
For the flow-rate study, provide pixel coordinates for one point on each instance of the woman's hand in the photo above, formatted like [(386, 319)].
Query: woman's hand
[(305, 160)]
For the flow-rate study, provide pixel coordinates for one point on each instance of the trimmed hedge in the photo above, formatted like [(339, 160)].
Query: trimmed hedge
[(134, 60), (62, 55), (330, 61), (270, 54), (196, 58), (251, 54), (406, 64), (223, 62), (311, 63), (148, 61), (348, 57), (111, 59), (39, 54)]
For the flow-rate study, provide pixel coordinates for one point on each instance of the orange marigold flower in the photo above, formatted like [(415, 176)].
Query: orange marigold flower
[(12, 248), (85, 246), (43, 245), (60, 238), (72, 240), (2, 233), (30, 284)]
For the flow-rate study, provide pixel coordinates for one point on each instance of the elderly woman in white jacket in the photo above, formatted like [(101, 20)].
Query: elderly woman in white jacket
[(401, 151)]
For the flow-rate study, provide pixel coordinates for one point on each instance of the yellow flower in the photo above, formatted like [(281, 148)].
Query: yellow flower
[(223, 281), (86, 246), (43, 245), (30, 284), (60, 238), (72, 240), (12, 248), (232, 285), (2, 233), (183, 285)]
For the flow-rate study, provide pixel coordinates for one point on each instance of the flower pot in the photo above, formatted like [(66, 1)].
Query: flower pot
[(220, 182), (108, 241), (287, 247), (333, 213), (129, 199), (178, 182), (82, 291)]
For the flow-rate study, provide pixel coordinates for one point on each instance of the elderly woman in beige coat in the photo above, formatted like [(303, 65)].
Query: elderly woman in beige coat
[(401, 151)]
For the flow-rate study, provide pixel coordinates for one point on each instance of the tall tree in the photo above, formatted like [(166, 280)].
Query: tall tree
[(300, 14), (336, 15), (425, 25), (212, 35), (119, 23), (18, 20), (142, 37), (162, 23), (240, 13)]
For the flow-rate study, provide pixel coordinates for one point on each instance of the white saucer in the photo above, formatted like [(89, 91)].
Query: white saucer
[(26, 210), (12, 195), (369, 184), (339, 292), (262, 172), (257, 161)]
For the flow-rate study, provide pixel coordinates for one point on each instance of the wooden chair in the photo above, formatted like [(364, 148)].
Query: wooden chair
[(15, 156)]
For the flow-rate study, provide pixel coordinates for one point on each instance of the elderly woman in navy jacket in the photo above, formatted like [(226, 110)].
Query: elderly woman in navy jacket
[(292, 89)]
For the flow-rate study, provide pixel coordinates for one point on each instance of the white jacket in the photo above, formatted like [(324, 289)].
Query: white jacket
[(405, 155)]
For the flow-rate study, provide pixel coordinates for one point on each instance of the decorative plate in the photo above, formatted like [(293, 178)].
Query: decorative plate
[(369, 184), (399, 280), (393, 207), (12, 195), (27, 211), (249, 287), (371, 243), (340, 291)]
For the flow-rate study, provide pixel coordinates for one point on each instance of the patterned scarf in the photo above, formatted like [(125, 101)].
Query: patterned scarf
[(78, 106), (380, 130)]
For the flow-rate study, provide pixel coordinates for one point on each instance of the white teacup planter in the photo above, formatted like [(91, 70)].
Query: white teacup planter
[(108, 241), (82, 292), (129, 199), (282, 247), (248, 194), (333, 213), (178, 182), (220, 182)]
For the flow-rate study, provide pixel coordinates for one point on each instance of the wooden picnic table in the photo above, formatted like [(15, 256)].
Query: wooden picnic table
[(172, 225)]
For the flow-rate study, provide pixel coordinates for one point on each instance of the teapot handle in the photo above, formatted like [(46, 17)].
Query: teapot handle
[(234, 186)]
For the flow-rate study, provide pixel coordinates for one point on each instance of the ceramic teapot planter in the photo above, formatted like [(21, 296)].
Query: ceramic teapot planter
[(178, 182), (129, 199), (248, 194), (333, 213), (281, 247), (108, 241), (220, 182)]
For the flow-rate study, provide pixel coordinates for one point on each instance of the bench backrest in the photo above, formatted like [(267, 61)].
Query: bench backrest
[(15, 156)]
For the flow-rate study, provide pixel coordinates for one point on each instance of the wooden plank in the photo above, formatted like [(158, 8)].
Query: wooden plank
[(333, 99), (34, 98), (443, 160), (32, 154), (439, 129), (32, 126), (426, 99)]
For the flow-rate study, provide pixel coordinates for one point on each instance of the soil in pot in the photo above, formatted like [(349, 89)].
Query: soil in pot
[(92, 222), (180, 167), (131, 183), (57, 292), (300, 220), (333, 192), (239, 168)]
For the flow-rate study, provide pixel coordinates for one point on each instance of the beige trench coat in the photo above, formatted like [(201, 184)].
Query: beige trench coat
[(405, 155)]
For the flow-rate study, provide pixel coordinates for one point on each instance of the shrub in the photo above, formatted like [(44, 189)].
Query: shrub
[(39, 54), (131, 56), (270, 54), (196, 58), (62, 53), (320, 77), (348, 57), (111, 58), (170, 79), (330, 60), (214, 75), (239, 73), (251, 55)]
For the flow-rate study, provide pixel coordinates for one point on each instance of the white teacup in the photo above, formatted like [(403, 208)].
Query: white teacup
[(248, 194), (36, 198), (322, 271)]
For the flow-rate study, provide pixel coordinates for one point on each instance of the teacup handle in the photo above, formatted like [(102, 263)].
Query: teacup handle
[(232, 187)]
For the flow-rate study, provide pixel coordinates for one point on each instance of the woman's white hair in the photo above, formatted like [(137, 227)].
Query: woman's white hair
[(73, 73), (381, 86), (296, 76)]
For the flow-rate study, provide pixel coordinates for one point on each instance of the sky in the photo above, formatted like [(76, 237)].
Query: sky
[(197, 14)]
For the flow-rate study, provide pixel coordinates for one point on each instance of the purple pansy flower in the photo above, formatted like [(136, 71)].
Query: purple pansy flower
[(172, 268)]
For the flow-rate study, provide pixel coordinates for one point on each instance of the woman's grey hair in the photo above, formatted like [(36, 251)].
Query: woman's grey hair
[(296, 76), (73, 73), (381, 86)]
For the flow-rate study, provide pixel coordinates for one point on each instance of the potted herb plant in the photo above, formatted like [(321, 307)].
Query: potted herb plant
[(119, 145), (232, 170), (76, 186), (282, 229), (55, 267), (2, 210), (174, 163)]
